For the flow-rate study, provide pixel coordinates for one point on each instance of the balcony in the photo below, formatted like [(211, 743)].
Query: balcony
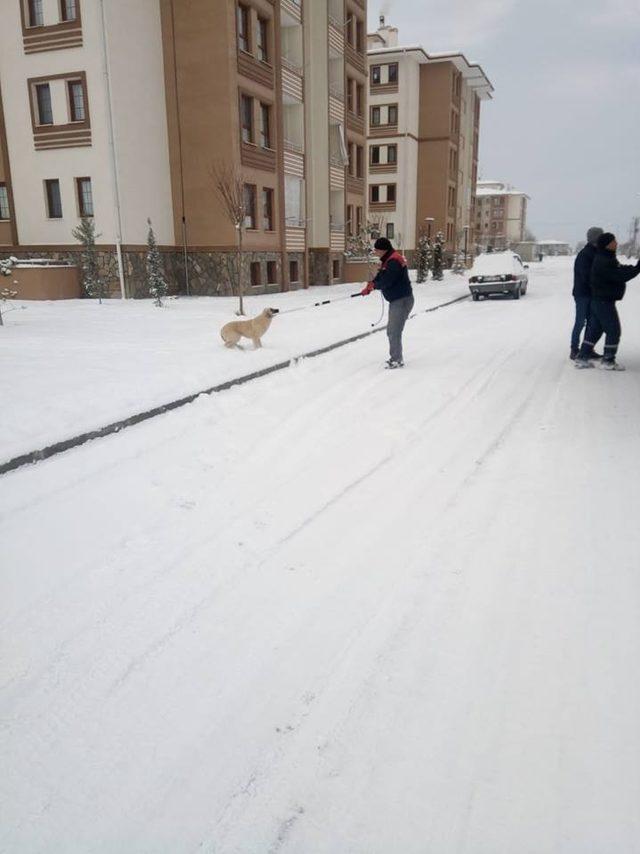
[(291, 12)]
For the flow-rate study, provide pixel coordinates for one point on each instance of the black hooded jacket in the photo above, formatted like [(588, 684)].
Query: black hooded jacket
[(393, 277), (582, 271), (609, 276)]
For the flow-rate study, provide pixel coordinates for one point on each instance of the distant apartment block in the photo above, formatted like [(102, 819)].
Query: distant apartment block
[(122, 111), (424, 123), (501, 214)]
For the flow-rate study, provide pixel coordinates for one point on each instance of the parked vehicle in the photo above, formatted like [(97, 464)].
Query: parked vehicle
[(498, 273)]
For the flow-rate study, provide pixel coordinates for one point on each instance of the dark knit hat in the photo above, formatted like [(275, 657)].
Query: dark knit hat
[(605, 239), (593, 234), (383, 244)]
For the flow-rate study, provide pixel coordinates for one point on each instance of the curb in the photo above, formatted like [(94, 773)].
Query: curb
[(75, 441)]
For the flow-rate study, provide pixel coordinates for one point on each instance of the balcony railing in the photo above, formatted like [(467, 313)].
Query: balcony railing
[(336, 22), (292, 66), (296, 147)]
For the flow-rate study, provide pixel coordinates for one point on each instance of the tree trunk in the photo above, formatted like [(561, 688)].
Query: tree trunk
[(239, 267)]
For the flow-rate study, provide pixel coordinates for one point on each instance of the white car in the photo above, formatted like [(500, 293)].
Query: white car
[(498, 273)]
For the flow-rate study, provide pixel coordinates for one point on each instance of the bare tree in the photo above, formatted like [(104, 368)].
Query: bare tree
[(358, 245), (229, 185)]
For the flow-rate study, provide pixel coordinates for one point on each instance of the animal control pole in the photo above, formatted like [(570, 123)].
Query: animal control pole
[(322, 302)]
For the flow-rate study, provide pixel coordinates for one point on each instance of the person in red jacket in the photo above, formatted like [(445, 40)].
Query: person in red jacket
[(393, 281)]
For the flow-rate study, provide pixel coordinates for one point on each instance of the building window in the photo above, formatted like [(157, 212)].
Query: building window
[(272, 273), (4, 202), (246, 118), (263, 40), (350, 23), (243, 27), (35, 14), (374, 155), (360, 36), (393, 73), (54, 201), (392, 153), (336, 269), (350, 222), (359, 98), (249, 206), (391, 192), (350, 84), (85, 196), (43, 103), (256, 274), (375, 75), (374, 193), (359, 159), (358, 220), (390, 231), (375, 116), (393, 115), (294, 274), (76, 101), (267, 209), (265, 126), (68, 10)]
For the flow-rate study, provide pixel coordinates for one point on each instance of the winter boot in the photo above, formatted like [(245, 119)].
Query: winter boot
[(582, 362), (390, 364), (573, 355), (611, 365), (595, 356)]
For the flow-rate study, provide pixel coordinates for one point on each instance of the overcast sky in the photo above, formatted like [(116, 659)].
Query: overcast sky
[(564, 124)]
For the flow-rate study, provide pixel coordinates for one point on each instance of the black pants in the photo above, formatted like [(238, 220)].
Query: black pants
[(583, 310), (603, 318)]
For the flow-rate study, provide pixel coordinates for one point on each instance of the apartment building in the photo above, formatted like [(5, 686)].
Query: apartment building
[(122, 111), (424, 121), (501, 214)]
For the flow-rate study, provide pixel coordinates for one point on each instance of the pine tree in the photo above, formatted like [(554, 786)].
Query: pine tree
[(425, 257), (6, 293), (93, 282), (156, 281), (437, 257)]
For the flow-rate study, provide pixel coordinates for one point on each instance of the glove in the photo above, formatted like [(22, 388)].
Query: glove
[(367, 289)]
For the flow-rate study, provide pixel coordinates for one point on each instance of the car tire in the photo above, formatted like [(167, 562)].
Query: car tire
[(516, 293), (475, 297)]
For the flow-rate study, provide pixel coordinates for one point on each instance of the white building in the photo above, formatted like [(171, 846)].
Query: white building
[(501, 214)]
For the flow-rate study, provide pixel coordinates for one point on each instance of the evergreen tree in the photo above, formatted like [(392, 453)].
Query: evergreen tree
[(425, 257), (93, 282), (458, 267), (156, 281), (5, 292), (437, 257)]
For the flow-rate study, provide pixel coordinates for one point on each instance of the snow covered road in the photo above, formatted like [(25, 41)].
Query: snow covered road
[(340, 610)]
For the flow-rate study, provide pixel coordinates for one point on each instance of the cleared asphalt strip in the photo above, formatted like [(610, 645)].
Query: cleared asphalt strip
[(138, 418)]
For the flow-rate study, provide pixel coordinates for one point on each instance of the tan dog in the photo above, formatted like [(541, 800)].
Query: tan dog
[(254, 329)]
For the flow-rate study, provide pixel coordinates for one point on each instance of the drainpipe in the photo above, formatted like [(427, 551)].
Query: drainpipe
[(112, 149)]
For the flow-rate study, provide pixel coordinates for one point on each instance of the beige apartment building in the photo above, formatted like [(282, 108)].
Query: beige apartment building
[(424, 123), (501, 214), (122, 111)]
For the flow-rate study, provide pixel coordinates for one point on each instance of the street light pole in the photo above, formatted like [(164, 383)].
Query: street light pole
[(466, 244)]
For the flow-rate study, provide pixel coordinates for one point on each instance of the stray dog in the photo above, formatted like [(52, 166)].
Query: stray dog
[(254, 329)]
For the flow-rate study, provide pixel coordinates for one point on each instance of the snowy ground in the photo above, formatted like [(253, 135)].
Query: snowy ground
[(74, 366), (339, 610)]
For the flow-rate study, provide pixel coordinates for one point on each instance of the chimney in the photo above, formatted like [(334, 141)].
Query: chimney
[(389, 35)]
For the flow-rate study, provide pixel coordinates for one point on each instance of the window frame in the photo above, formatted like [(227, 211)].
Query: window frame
[(268, 218), (376, 72), (247, 100), (80, 197), (49, 184), (243, 27), (262, 39), (29, 7), (265, 137), (393, 65), (37, 88), (294, 264), (250, 197), (71, 101), (5, 204), (63, 9)]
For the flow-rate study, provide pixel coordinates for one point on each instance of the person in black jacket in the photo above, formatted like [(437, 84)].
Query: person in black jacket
[(608, 284), (393, 280), (582, 288)]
